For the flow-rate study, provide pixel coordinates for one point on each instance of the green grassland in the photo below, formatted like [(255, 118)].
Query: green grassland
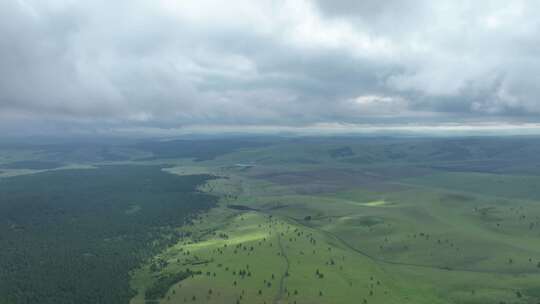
[(424, 233), (256, 258), (422, 243)]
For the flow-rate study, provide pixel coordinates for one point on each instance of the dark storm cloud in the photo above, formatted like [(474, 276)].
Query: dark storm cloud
[(169, 64)]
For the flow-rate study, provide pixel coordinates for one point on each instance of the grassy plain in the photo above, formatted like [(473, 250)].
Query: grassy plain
[(345, 220), (421, 242)]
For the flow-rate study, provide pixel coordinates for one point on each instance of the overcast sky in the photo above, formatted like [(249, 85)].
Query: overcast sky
[(169, 64)]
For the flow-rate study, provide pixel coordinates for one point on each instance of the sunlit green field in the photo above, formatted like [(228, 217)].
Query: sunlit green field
[(267, 260), (408, 240)]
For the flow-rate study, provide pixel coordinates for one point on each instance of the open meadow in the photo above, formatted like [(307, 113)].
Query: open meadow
[(390, 231)]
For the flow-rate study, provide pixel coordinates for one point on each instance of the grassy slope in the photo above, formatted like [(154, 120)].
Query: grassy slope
[(433, 238), (279, 245)]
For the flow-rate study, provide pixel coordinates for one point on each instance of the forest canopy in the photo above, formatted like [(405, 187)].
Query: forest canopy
[(74, 235)]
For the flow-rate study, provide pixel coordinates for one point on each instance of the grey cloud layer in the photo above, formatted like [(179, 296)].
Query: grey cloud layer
[(172, 63)]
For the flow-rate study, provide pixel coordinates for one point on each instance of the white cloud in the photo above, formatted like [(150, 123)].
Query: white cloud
[(381, 105)]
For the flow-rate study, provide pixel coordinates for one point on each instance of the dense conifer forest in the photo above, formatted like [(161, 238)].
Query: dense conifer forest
[(72, 236)]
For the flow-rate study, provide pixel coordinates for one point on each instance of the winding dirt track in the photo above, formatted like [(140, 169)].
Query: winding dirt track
[(281, 291)]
